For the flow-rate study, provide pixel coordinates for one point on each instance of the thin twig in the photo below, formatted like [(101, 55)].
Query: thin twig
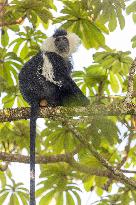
[(118, 167), (130, 89)]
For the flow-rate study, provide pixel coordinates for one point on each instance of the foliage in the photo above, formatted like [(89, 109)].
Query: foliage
[(24, 24), (52, 177), (15, 193)]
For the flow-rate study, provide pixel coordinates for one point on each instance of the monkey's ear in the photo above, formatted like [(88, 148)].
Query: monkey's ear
[(74, 42), (48, 45)]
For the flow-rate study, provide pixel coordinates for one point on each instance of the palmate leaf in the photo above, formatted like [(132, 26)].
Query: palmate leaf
[(104, 128), (89, 160), (14, 193), (28, 42), (44, 14), (26, 7), (116, 61), (90, 78), (77, 20), (57, 178), (58, 138), (89, 32), (111, 11), (106, 12), (71, 197)]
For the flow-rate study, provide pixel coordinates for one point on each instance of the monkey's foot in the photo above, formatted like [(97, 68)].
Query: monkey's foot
[(43, 103)]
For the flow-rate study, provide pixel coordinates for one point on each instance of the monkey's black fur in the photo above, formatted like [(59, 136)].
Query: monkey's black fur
[(59, 32), (35, 87)]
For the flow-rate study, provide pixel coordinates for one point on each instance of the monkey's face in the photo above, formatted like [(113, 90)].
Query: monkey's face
[(62, 44)]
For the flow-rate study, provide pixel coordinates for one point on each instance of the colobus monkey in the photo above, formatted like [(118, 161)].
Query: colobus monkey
[(45, 80)]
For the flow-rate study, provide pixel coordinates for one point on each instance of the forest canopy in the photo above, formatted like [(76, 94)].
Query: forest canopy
[(78, 149)]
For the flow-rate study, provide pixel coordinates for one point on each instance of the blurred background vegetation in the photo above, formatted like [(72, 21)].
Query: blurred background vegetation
[(24, 24)]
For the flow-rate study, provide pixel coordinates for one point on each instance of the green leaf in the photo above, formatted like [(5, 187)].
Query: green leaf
[(99, 191), (114, 82), (18, 44), (14, 199), (23, 198), (9, 173), (102, 27), (113, 21), (69, 199), (44, 14), (77, 197), (134, 195), (24, 51), (78, 74), (134, 17), (131, 8), (14, 28), (59, 199), (2, 179), (40, 191), (45, 200), (121, 18), (89, 182), (4, 37), (3, 197), (8, 101), (95, 37)]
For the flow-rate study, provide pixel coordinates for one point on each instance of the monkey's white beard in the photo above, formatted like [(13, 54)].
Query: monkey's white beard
[(74, 42), (47, 71)]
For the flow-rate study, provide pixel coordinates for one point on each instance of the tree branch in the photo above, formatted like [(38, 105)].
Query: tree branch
[(68, 159), (25, 159), (128, 171), (130, 89), (124, 159), (114, 173), (18, 21), (114, 109)]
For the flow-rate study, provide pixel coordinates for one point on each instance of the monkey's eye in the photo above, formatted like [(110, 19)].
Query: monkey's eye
[(57, 39), (61, 38)]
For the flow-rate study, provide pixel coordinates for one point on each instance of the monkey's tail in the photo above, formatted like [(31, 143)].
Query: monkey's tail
[(33, 118)]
